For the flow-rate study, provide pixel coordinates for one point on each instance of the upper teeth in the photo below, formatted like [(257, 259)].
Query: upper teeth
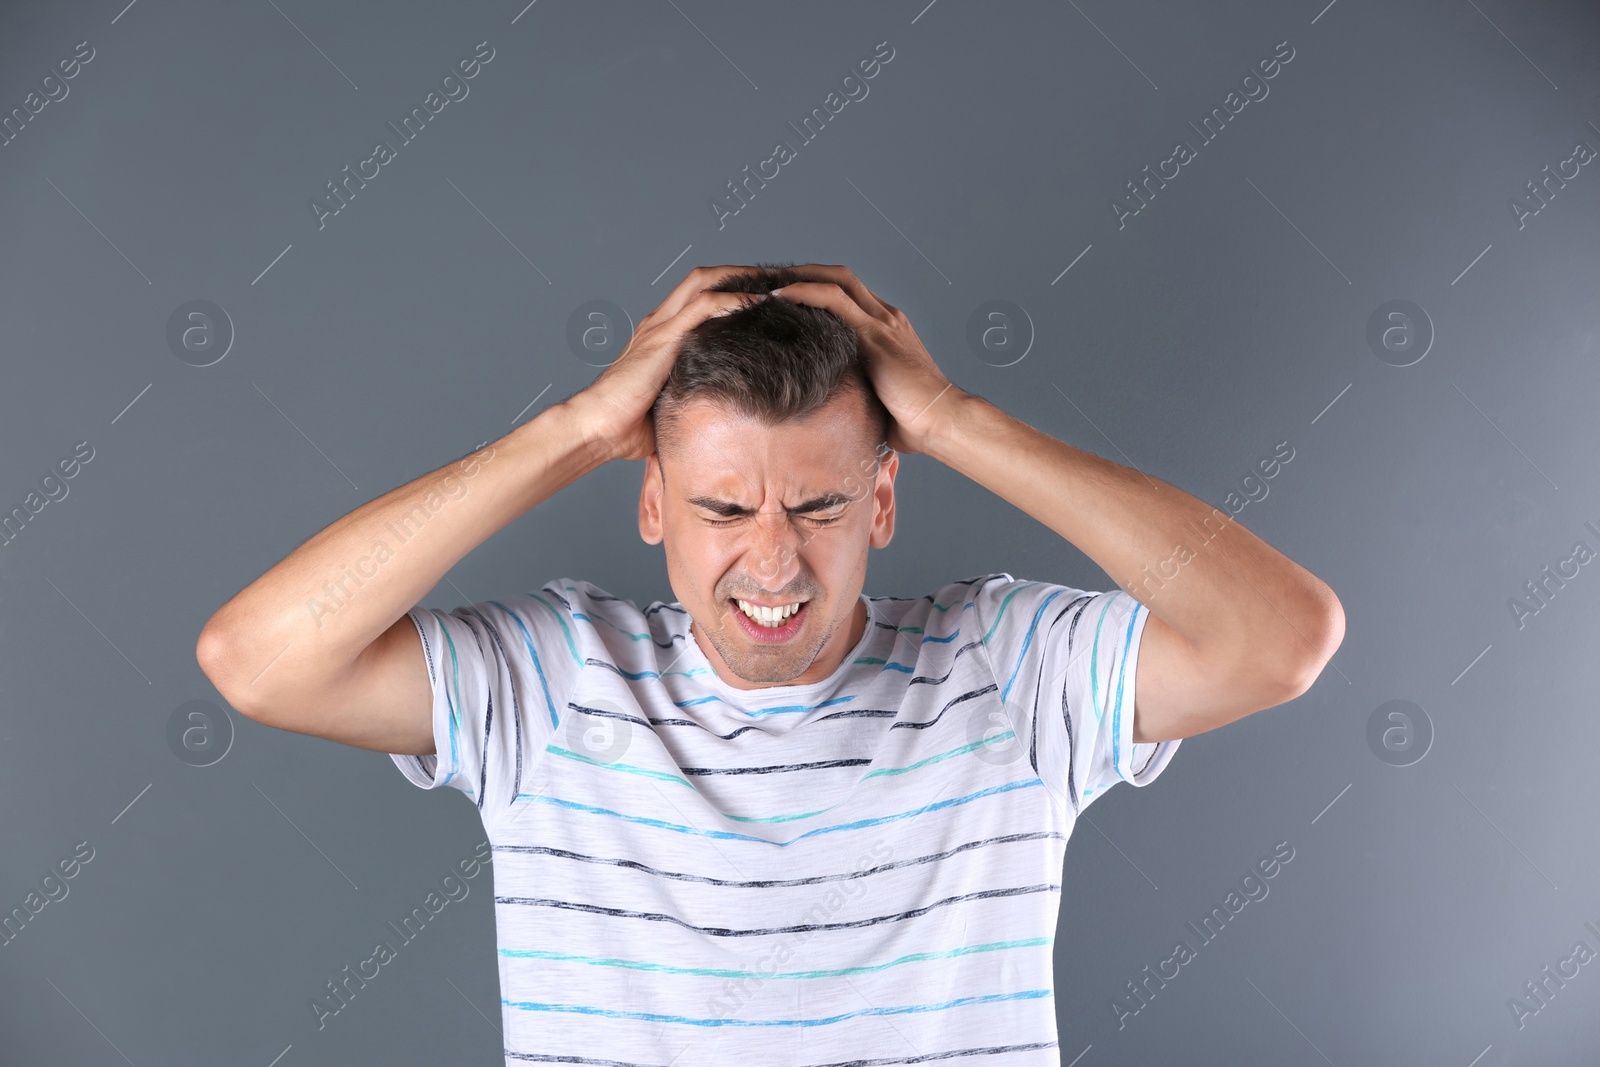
[(768, 616)]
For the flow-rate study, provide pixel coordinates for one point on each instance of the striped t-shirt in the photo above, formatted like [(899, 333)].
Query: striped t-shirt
[(864, 869)]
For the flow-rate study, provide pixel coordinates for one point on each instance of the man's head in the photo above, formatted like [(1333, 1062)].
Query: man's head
[(771, 478), (773, 360)]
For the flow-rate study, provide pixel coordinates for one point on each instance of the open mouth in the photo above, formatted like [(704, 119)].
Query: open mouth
[(770, 624)]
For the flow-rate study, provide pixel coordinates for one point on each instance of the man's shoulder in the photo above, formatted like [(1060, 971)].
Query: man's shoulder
[(615, 628), (575, 596), (558, 599), (945, 609), (568, 610), (996, 608)]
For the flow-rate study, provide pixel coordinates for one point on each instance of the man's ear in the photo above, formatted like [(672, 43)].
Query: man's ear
[(650, 492), (883, 500)]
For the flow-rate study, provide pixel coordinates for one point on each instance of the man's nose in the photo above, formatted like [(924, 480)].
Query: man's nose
[(776, 551)]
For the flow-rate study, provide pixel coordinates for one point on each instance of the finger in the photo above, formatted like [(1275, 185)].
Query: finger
[(831, 296), (708, 304), (845, 279), (692, 283)]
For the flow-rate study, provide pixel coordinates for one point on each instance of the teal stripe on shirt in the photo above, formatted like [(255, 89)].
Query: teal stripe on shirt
[(723, 972), (729, 835), (455, 681), (538, 667), (1094, 655), (1027, 639), (827, 1020), (566, 631), (1005, 603), (1122, 674)]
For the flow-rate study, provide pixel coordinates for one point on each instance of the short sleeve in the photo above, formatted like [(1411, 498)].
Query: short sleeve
[(1065, 661), (501, 673)]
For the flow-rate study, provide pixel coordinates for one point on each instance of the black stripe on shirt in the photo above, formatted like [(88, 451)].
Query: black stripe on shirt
[(773, 883), (516, 716), (761, 931)]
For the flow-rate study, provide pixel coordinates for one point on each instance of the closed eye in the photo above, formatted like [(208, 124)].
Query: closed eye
[(809, 518), (732, 513)]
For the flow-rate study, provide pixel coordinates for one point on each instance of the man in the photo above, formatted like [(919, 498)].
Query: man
[(776, 821)]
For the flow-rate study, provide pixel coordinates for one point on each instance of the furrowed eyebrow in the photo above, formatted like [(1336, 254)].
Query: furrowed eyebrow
[(729, 510)]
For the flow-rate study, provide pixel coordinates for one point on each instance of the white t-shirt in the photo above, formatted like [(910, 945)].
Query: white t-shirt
[(863, 869)]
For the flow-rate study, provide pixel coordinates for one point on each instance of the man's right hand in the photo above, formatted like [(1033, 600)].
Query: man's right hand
[(614, 410)]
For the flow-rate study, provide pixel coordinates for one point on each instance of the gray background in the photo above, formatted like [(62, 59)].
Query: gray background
[(1228, 316)]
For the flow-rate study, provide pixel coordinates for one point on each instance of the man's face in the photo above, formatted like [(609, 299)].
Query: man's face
[(771, 515)]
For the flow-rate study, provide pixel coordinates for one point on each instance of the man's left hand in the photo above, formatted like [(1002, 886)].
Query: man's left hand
[(903, 374)]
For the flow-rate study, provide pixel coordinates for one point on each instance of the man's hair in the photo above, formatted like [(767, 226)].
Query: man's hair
[(771, 359)]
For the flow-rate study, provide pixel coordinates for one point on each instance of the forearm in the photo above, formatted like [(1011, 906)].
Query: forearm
[(313, 613), (1230, 594)]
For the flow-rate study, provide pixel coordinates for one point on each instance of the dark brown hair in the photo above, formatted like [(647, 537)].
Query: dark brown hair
[(771, 359)]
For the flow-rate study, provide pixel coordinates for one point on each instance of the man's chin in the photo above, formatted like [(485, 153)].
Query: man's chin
[(764, 664), (760, 670)]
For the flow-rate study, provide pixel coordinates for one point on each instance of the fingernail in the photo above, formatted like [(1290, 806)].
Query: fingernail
[(777, 291)]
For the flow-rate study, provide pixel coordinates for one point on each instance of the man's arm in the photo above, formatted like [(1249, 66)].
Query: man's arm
[(1239, 628), (320, 644)]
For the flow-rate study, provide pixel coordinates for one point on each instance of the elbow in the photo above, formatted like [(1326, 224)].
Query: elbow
[(214, 651), (1323, 637), (211, 653)]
